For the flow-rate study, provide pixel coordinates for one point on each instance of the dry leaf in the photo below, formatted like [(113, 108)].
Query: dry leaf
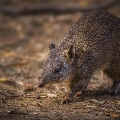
[(28, 87), (83, 3), (20, 64), (3, 79), (91, 106), (51, 95), (9, 54), (114, 115)]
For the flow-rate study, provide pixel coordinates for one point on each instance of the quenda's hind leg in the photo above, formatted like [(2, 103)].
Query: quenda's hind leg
[(115, 89), (114, 73), (82, 76)]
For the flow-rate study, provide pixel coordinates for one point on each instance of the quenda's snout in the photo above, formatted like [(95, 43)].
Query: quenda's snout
[(40, 83)]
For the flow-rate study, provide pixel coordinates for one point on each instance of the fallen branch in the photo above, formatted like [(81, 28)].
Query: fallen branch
[(7, 10), (14, 111)]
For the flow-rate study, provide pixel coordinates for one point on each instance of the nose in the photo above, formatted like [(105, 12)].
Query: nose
[(40, 83)]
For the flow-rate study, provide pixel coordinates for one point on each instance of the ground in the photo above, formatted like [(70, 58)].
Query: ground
[(24, 44)]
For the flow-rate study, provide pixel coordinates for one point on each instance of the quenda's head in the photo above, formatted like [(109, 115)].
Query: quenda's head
[(58, 67)]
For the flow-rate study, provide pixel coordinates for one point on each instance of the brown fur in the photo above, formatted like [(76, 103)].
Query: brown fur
[(93, 42)]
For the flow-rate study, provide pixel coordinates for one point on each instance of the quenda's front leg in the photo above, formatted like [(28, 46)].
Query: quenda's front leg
[(75, 86), (84, 72)]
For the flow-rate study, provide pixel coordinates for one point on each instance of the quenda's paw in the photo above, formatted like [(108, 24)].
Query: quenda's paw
[(114, 91), (66, 100)]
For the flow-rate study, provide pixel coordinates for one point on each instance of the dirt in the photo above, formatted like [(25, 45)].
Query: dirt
[(24, 45)]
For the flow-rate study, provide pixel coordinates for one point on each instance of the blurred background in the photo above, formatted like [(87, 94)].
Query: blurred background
[(27, 28)]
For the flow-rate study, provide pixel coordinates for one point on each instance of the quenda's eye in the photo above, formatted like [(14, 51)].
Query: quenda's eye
[(57, 70)]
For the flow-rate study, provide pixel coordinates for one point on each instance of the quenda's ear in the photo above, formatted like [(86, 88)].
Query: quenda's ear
[(70, 53), (52, 51), (52, 46)]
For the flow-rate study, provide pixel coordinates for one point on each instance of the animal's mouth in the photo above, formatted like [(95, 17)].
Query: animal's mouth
[(40, 85)]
